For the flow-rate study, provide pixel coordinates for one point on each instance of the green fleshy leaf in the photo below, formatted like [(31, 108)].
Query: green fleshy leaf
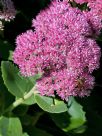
[(77, 115), (10, 126), (30, 100), (80, 129), (17, 84), (6, 99), (73, 119), (62, 120), (25, 134), (10, 55), (50, 104)]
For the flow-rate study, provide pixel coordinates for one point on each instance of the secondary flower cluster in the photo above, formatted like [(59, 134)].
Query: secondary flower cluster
[(7, 11), (85, 1), (63, 48), (95, 14)]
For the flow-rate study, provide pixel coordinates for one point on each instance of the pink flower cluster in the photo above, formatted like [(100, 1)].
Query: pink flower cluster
[(95, 14), (8, 11), (62, 47), (85, 1)]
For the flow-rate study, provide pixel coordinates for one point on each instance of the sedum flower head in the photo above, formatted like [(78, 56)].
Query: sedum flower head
[(62, 48), (66, 83)]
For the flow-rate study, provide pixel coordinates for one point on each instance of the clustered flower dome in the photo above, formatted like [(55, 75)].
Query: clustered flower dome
[(62, 48)]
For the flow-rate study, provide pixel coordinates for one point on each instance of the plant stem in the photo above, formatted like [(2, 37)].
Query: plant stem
[(20, 100)]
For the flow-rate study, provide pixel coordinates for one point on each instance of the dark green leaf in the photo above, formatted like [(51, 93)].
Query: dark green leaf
[(33, 131), (5, 49), (17, 84), (62, 120), (6, 99), (20, 110), (73, 119), (30, 120)]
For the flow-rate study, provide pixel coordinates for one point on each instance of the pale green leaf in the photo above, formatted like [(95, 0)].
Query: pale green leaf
[(49, 104), (10, 126)]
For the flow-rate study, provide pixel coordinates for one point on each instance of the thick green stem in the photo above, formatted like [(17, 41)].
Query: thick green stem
[(20, 100)]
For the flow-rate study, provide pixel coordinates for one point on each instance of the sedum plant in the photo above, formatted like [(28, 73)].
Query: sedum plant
[(49, 74)]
